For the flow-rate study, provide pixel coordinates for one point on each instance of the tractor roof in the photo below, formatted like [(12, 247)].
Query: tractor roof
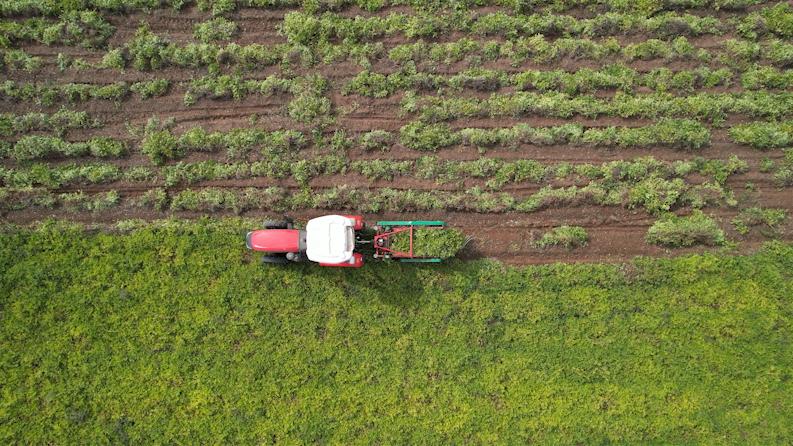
[(330, 239)]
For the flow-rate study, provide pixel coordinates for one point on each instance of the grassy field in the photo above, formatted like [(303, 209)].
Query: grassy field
[(176, 334)]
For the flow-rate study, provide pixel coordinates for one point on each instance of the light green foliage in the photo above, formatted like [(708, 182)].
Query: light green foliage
[(36, 147), (767, 219), (569, 237), (58, 122), (676, 232), (376, 140), (218, 28), (430, 243), (150, 89), (178, 318), (763, 135), (160, 146), (426, 137)]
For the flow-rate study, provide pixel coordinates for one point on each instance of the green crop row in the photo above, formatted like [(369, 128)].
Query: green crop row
[(517, 6), (707, 106), (584, 80), (36, 147), (763, 135), (18, 60), (82, 28), (783, 171), (675, 232), (569, 237), (57, 8), (162, 145), (767, 220), (47, 94), (58, 122), (307, 29), (496, 172), (674, 133), (655, 195), (54, 177), (18, 199)]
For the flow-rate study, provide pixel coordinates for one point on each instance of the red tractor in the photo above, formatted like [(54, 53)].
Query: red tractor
[(331, 240)]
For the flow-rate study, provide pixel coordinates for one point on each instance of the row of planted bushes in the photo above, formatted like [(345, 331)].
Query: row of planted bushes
[(58, 122), (82, 28), (38, 7), (584, 80), (706, 106), (653, 193), (497, 172), (49, 94), (35, 147), (308, 29), (674, 133)]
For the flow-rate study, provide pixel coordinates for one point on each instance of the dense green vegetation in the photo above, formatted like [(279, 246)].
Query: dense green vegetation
[(176, 334), (430, 243)]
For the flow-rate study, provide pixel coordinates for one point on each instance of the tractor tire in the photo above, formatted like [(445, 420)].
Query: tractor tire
[(274, 260), (277, 224)]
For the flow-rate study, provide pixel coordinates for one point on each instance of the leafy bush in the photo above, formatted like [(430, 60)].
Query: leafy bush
[(427, 137), (763, 135), (218, 28), (430, 243), (675, 232), (376, 140), (565, 236), (160, 146), (58, 122), (150, 89), (768, 218), (34, 147)]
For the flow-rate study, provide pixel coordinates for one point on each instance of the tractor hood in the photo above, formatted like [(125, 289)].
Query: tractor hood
[(330, 239)]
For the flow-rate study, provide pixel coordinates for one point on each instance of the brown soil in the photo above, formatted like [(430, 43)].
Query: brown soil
[(616, 234)]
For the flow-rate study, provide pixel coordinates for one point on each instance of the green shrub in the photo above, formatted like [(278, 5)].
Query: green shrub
[(376, 140), (427, 137), (675, 232), (156, 199), (160, 146), (768, 218), (430, 243), (218, 28), (34, 147), (763, 135), (150, 89), (565, 236)]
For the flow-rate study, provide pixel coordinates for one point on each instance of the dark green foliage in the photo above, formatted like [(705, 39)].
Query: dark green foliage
[(160, 146), (134, 331), (569, 237), (767, 219), (676, 232), (430, 243)]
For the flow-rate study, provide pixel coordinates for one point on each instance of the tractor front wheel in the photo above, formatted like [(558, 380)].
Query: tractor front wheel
[(275, 260)]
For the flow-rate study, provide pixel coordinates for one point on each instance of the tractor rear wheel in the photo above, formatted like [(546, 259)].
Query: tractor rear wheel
[(275, 260), (277, 224)]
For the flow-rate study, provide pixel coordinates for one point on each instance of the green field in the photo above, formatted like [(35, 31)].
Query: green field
[(175, 334)]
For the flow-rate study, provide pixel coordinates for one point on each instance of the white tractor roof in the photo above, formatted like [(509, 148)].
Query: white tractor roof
[(330, 239)]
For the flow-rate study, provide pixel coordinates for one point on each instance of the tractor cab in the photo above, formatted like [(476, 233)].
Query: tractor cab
[(330, 239)]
